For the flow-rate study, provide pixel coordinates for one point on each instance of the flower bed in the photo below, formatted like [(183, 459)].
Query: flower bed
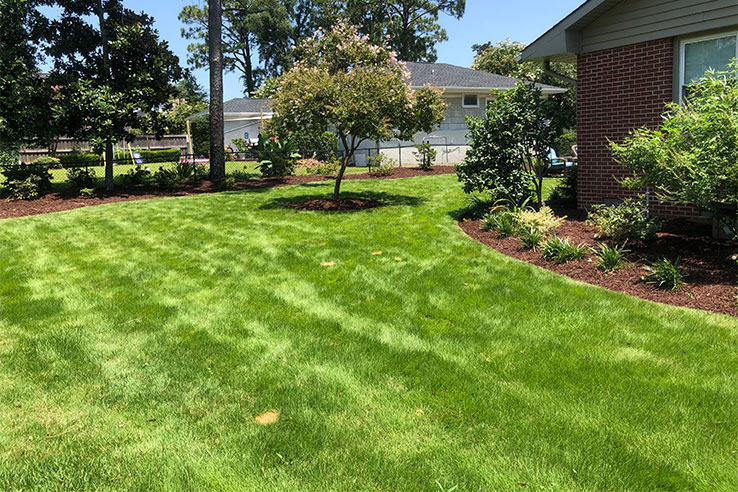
[(707, 262)]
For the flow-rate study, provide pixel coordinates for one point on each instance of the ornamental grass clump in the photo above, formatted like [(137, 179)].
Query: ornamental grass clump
[(543, 220), (610, 258), (559, 251), (665, 274)]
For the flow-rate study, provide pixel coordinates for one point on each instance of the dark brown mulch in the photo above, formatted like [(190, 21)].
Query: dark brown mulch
[(711, 274), (56, 202), (342, 204)]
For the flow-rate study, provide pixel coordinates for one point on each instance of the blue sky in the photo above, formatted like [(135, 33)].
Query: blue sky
[(485, 20)]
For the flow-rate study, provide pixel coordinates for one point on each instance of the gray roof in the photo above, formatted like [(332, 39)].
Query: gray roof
[(447, 76), (242, 105)]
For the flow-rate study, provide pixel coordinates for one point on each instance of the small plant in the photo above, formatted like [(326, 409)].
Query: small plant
[(425, 155), (137, 176), (629, 221), (505, 223), (381, 164), (557, 250), (81, 177), (566, 190), (169, 179), (329, 168), (26, 189), (665, 275), (531, 238), (543, 220), (278, 157), (477, 207), (610, 258), (229, 183), (87, 193)]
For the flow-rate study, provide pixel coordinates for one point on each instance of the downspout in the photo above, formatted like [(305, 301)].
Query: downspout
[(548, 71)]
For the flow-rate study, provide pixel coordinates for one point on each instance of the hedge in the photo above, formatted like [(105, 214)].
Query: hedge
[(148, 156)]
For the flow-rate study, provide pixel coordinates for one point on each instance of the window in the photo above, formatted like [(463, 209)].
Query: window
[(701, 54), (470, 101)]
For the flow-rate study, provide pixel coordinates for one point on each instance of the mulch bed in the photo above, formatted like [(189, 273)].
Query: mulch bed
[(711, 274), (56, 202), (342, 204)]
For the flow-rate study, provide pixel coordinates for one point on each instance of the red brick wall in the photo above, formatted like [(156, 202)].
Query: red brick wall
[(619, 89)]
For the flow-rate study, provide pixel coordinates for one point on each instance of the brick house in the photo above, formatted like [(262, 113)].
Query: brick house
[(633, 56)]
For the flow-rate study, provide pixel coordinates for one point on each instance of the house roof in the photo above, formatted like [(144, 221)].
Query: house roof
[(452, 77), (241, 105), (564, 40)]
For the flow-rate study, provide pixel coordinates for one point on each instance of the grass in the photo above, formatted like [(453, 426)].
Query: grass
[(140, 341)]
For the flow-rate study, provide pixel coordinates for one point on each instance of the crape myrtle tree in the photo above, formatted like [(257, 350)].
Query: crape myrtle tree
[(509, 148), (344, 83), (107, 75), (693, 157)]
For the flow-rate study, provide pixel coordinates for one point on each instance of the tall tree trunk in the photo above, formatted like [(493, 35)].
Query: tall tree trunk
[(342, 171), (249, 67), (109, 155), (215, 40)]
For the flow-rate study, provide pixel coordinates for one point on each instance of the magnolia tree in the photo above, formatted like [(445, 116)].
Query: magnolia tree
[(693, 157), (342, 82)]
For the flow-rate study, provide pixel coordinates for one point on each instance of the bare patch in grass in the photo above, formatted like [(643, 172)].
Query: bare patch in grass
[(267, 418)]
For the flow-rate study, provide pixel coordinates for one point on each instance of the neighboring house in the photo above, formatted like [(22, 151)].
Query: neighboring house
[(466, 92), (242, 117), (633, 56)]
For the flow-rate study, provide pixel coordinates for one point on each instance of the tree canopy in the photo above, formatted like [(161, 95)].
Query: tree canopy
[(343, 82), (259, 36), (501, 58)]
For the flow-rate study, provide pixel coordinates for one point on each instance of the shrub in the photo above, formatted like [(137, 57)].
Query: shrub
[(229, 183), (241, 144), (505, 223), (531, 238), (17, 176), (665, 275), (173, 178), (87, 193), (557, 250), (425, 155), (542, 221), (508, 150), (629, 221), (278, 157), (50, 162), (137, 176), (693, 157), (610, 258), (76, 159), (329, 168), (564, 142), (81, 177), (566, 190), (149, 156), (200, 130), (25, 189)]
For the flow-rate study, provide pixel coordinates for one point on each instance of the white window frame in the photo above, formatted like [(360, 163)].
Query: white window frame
[(683, 50), (464, 105)]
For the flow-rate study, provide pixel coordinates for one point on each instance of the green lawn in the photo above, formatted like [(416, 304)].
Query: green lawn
[(139, 340)]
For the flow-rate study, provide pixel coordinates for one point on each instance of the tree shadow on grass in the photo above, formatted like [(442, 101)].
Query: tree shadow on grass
[(383, 198)]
